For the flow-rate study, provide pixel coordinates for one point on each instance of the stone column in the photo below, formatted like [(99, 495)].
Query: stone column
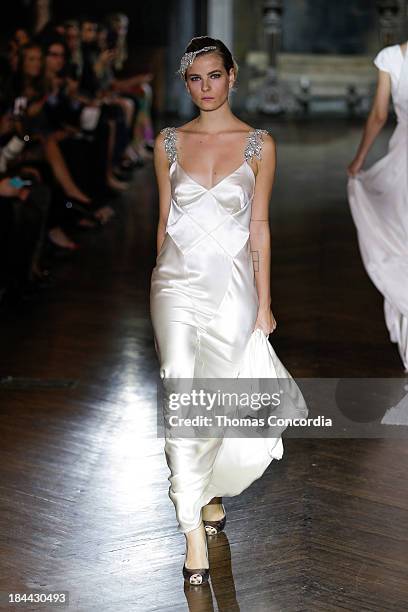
[(270, 100), (220, 21), (273, 28), (181, 31)]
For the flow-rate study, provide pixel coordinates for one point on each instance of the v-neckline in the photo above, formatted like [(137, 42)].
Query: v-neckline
[(245, 162), (219, 182)]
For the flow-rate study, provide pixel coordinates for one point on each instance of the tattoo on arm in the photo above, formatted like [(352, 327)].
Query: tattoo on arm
[(255, 260)]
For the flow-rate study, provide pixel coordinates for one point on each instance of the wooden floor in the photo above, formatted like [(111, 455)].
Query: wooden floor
[(84, 501)]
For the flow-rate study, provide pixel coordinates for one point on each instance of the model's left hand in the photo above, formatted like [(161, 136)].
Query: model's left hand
[(354, 168), (265, 321)]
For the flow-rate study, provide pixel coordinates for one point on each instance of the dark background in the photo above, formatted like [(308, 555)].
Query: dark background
[(147, 25), (309, 26), (328, 26)]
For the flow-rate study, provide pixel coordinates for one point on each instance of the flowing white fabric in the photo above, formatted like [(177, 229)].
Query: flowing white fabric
[(378, 200), (242, 460), (204, 304)]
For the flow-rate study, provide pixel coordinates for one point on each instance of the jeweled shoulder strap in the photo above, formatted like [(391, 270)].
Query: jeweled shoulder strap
[(254, 144), (170, 140)]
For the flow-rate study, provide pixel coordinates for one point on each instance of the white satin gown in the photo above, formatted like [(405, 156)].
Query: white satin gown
[(378, 200), (204, 305)]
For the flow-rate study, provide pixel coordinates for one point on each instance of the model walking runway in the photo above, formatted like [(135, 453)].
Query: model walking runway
[(379, 198)]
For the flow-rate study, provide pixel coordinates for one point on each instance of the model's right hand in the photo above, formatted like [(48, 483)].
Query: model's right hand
[(355, 167)]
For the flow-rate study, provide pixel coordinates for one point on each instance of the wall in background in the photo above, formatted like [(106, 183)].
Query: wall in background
[(340, 27)]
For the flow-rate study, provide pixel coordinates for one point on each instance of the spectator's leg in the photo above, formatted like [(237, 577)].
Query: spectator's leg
[(61, 171), (40, 198)]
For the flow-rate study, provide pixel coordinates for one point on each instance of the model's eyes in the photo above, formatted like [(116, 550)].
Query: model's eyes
[(216, 75)]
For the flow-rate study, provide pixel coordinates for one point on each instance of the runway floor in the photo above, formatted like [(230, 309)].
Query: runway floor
[(84, 501)]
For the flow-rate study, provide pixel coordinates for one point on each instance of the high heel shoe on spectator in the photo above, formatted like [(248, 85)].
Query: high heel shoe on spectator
[(104, 214), (58, 248), (59, 241), (117, 185), (214, 527), (132, 158), (199, 576)]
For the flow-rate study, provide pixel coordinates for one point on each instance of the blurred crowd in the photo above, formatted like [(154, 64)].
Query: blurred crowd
[(72, 131)]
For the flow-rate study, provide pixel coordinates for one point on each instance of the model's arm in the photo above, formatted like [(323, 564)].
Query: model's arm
[(260, 236), (161, 167), (375, 122)]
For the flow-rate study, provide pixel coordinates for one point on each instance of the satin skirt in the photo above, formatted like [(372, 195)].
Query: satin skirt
[(203, 309), (378, 200)]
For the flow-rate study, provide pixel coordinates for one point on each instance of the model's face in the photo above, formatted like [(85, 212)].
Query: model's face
[(55, 58), (208, 82), (32, 62)]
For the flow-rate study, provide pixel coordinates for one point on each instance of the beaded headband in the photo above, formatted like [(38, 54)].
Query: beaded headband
[(188, 58)]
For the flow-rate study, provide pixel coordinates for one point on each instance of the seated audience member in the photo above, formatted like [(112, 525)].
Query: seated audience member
[(135, 86), (64, 98)]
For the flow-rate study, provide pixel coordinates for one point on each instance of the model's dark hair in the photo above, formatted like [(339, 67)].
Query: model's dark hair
[(199, 42)]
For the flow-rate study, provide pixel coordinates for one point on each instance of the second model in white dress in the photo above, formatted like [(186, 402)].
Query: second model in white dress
[(379, 204)]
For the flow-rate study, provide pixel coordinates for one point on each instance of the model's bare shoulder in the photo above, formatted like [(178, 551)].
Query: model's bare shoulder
[(268, 143), (159, 140), (159, 150), (165, 145), (260, 133), (266, 156)]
